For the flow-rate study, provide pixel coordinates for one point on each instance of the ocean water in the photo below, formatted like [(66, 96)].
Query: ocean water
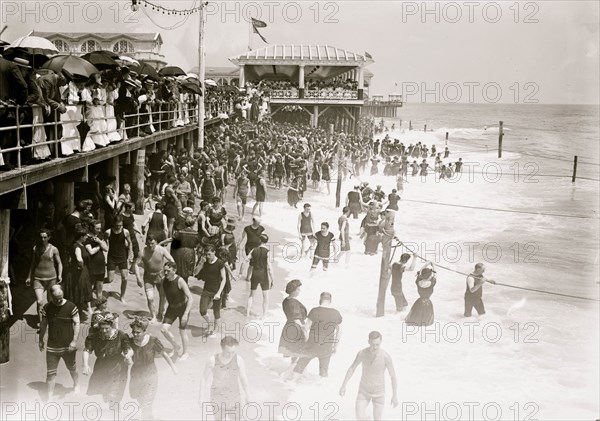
[(533, 355)]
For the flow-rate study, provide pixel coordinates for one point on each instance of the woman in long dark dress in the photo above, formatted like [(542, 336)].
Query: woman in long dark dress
[(113, 355), (183, 249), (78, 288), (130, 225), (292, 193), (144, 376), (293, 335), (421, 313)]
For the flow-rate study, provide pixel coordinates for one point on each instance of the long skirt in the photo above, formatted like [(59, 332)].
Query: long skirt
[(421, 313), (292, 340), (184, 259), (39, 135), (143, 385), (98, 126), (371, 243), (109, 378), (71, 139), (293, 198), (111, 123), (78, 287)]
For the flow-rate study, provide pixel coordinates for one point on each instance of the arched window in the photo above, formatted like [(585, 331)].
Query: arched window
[(61, 46), (123, 47), (90, 46)]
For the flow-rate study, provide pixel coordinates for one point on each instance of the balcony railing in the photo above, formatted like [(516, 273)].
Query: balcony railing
[(330, 94), (284, 93), (37, 139)]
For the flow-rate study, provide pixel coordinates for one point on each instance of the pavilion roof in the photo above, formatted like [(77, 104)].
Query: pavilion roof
[(290, 53)]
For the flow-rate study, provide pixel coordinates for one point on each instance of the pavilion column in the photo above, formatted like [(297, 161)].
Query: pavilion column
[(301, 80), (64, 199), (114, 165), (138, 162), (361, 82), (242, 77)]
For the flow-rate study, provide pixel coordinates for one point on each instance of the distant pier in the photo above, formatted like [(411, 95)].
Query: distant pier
[(377, 107)]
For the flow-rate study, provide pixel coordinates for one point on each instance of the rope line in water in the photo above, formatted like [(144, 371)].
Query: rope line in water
[(507, 285), (490, 149), (502, 210)]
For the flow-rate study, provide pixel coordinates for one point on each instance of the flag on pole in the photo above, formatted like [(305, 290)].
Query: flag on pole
[(367, 55), (258, 23), (259, 34)]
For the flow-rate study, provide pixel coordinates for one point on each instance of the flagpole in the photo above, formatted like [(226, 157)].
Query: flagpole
[(250, 35), (201, 76)]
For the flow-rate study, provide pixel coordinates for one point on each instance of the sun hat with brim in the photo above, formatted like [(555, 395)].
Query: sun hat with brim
[(130, 83), (21, 62)]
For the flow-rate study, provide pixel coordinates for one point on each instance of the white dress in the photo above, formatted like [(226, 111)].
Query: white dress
[(39, 135), (71, 140), (111, 120), (94, 115)]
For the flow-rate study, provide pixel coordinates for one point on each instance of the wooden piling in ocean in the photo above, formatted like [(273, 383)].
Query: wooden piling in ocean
[(574, 169), (500, 134)]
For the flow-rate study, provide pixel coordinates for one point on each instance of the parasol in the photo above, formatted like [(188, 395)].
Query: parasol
[(172, 71), (103, 60), (34, 45), (72, 64)]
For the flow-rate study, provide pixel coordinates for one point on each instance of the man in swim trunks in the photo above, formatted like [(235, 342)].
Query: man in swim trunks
[(374, 362), (242, 187), (306, 230), (153, 259)]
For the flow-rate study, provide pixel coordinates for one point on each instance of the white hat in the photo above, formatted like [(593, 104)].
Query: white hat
[(188, 210)]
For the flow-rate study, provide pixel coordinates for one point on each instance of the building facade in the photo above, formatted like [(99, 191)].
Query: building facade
[(140, 46)]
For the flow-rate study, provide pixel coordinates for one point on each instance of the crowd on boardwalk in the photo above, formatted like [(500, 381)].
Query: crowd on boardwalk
[(45, 114)]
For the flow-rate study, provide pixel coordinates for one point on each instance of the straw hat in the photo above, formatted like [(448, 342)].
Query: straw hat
[(21, 62)]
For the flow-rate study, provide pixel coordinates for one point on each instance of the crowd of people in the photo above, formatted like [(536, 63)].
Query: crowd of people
[(320, 86), (60, 114), (189, 236)]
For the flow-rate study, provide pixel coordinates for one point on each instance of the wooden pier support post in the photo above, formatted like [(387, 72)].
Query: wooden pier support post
[(138, 161), (500, 135), (574, 169), (64, 198), (114, 164), (4, 286), (338, 187)]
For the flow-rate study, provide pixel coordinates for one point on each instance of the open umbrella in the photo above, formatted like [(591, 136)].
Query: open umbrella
[(172, 71), (3, 45), (145, 69), (230, 88), (72, 64), (128, 61), (192, 87), (101, 60), (34, 45), (35, 60)]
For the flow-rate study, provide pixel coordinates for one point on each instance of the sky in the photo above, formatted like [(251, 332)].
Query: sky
[(481, 52)]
